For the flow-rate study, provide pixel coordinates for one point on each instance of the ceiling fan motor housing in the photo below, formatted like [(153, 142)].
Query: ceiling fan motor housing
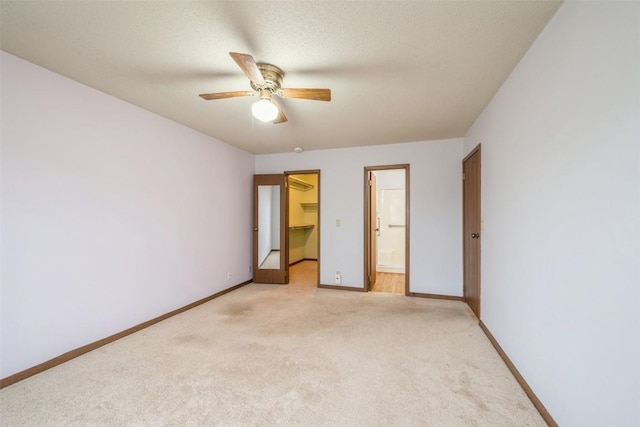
[(272, 76)]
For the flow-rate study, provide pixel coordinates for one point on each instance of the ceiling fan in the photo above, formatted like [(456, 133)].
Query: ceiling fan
[(266, 81)]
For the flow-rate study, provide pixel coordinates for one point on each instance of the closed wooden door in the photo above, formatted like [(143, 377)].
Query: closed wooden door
[(471, 229), (270, 230)]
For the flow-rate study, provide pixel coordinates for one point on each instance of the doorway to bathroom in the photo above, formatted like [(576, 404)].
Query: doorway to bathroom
[(387, 229)]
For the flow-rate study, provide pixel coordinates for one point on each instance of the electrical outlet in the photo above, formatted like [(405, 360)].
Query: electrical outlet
[(338, 278), (229, 276), (250, 269)]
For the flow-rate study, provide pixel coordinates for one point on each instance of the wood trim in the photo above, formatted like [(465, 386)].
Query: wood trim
[(407, 234), (388, 167), (472, 152), (341, 288), (303, 172), (319, 231), (436, 296), (366, 231), (65, 357), (528, 391)]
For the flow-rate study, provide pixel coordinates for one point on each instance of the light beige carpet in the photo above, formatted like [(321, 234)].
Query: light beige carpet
[(285, 355)]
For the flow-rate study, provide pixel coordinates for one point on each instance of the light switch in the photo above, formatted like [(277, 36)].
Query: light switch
[(337, 223)]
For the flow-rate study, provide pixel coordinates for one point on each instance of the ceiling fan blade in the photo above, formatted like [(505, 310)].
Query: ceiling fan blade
[(281, 116), (222, 95), (313, 94), (249, 67)]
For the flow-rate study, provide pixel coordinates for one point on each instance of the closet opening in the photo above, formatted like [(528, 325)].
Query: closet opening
[(304, 227), (387, 229)]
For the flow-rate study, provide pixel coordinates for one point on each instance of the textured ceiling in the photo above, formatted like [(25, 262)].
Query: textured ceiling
[(399, 71)]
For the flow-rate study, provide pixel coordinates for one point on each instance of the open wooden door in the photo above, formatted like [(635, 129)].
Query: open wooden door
[(270, 236), (371, 228), (471, 230)]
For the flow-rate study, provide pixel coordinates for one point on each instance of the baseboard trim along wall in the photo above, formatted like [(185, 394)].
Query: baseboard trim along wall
[(435, 296), (529, 392), (410, 294), (12, 379), (341, 288)]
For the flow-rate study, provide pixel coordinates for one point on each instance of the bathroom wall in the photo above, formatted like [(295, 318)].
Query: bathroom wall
[(390, 211)]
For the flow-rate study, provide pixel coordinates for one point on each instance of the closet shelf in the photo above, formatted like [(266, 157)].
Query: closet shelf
[(299, 184), (309, 206), (301, 227)]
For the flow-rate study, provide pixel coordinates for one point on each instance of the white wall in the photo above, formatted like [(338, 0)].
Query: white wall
[(390, 210), (111, 215), (389, 179), (561, 205), (436, 205)]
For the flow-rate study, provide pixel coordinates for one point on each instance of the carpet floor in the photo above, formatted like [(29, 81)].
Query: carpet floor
[(285, 355)]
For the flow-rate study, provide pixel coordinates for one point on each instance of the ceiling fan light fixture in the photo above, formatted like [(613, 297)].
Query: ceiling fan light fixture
[(264, 110), (266, 80)]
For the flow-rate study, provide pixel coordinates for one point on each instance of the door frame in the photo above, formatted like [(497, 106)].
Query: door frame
[(303, 172), (466, 239), (367, 223)]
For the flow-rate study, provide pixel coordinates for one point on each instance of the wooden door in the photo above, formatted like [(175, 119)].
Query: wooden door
[(471, 229), (373, 231), (270, 236)]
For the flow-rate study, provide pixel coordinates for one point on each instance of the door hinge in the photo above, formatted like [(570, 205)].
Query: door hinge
[(370, 183), (463, 176)]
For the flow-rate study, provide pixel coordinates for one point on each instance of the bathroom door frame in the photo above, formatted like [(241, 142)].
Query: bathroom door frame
[(307, 172), (369, 239)]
